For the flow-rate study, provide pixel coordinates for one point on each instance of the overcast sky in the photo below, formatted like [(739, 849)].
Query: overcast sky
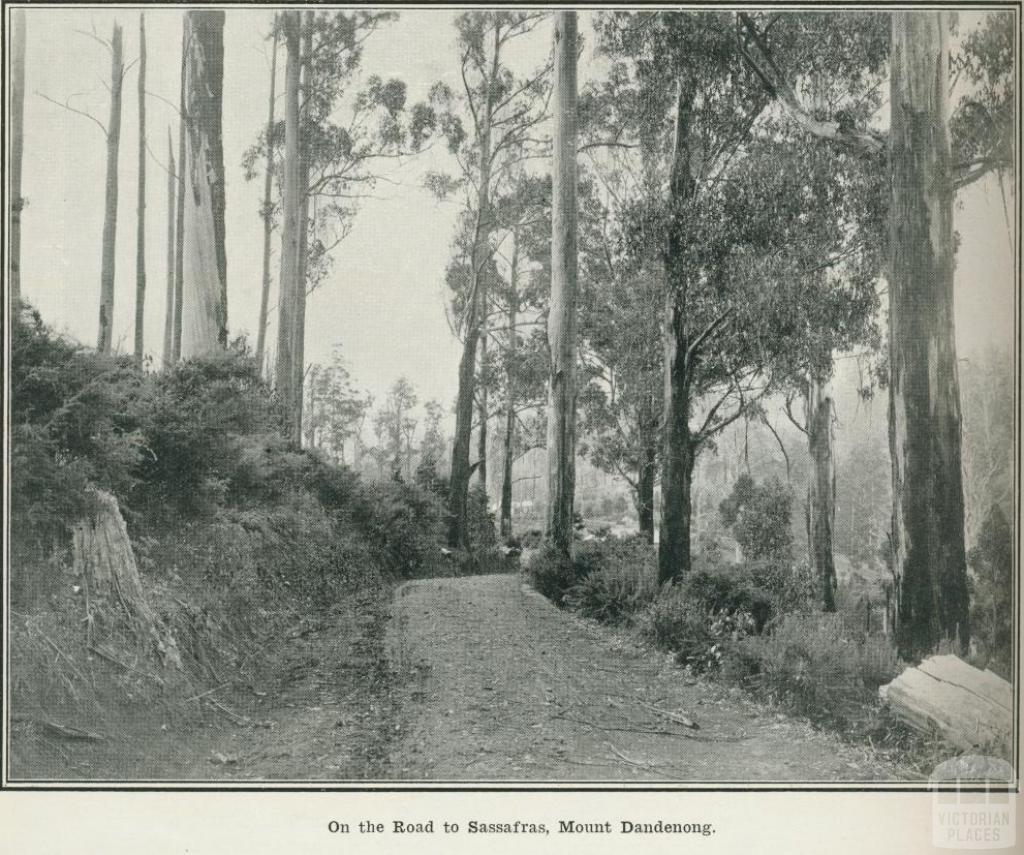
[(384, 301)]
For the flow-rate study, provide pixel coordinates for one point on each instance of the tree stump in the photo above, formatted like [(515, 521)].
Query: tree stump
[(104, 559)]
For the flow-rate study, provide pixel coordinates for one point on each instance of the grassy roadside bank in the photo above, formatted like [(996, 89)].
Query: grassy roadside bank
[(181, 574), (309, 697)]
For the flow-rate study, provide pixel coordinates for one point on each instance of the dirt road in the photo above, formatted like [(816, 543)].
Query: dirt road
[(474, 678), (500, 685)]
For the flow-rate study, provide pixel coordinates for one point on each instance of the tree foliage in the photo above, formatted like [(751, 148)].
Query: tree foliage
[(987, 404), (336, 408), (982, 123), (395, 424), (70, 428), (353, 124), (760, 516), (782, 246), (992, 605)]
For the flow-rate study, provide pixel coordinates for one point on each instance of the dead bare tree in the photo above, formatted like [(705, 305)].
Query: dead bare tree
[(112, 133), (267, 211), (140, 235), (289, 282), (169, 315)]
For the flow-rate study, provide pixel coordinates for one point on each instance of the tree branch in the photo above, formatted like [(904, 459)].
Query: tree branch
[(71, 109), (709, 330), (778, 439), (788, 407), (160, 97), (862, 141)]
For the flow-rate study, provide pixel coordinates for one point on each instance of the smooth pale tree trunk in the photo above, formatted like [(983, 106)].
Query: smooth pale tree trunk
[(821, 489), (648, 422), (459, 482), (179, 217), (290, 244), (458, 491), (17, 146), (204, 324), (678, 445), (924, 398), (108, 261), (562, 314), (140, 206), (299, 320), (821, 484), (267, 212), (481, 439), (311, 412), (169, 303), (505, 515)]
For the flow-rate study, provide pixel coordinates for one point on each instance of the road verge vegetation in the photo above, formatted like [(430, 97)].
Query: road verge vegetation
[(223, 537), (752, 624)]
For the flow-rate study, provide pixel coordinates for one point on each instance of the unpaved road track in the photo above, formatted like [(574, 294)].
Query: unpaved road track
[(503, 686)]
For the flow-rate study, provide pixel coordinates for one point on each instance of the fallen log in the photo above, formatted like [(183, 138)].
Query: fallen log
[(970, 708)]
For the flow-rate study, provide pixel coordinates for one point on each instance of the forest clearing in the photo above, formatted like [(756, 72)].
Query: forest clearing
[(614, 395)]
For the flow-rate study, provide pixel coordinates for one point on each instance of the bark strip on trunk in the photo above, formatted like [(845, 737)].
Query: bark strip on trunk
[(204, 313), (562, 314), (929, 563), (109, 256), (140, 235), (17, 146), (821, 490)]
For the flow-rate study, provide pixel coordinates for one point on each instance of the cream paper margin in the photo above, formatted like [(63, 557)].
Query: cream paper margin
[(258, 823), (197, 822)]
